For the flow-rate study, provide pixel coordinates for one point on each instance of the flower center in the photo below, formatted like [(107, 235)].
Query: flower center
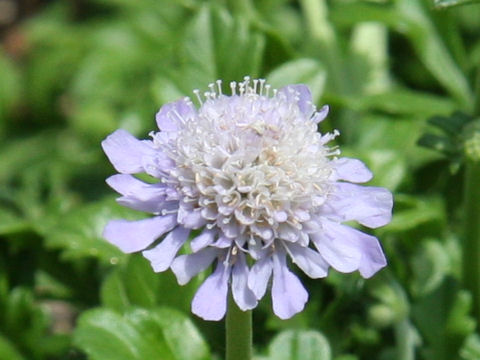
[(252, 164)]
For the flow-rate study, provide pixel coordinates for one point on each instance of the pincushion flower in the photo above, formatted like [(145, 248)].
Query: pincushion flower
[(253, 176)]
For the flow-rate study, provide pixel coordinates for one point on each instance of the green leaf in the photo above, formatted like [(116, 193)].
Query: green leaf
[(442, 4), (432, 50), (9, 87), (133, 285), (404, 102), (299, 345), (8, 350), (199, 51), (138, 335), (471, 348), (430, 266), (415, 211), (443, 318), (136, 284), (79, 233), (439, 143), (11, 223), (219, 46), (300, 71)]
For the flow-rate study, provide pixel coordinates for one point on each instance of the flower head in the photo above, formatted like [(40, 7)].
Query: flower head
[(252, 172)]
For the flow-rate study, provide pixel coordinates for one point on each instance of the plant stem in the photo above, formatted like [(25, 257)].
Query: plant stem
[(471, 246), (238, 332)]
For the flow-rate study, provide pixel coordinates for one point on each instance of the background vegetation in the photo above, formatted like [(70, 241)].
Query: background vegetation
[(71, 72)]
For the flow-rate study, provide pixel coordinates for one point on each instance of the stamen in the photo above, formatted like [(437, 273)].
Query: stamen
[(212, 89), (262, 83), (233, 87), (197, 94), (267, 90)]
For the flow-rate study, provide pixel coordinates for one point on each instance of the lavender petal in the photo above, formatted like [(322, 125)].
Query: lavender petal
[(162, 255), (352, 170), (125, 152), (301, 95), (243, 296), (335, 246), (370, 206), (131, 236), (187, 266), (203, 240), (170, 115), (288, 294), (259, 275), (210, 300), (310, 261)]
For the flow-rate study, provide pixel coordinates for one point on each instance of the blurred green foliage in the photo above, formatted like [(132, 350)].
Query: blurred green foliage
[(80, 70)]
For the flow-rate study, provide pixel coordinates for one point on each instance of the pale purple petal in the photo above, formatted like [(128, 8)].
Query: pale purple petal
[(125, 152), (373, 258), (170, 116), (348, 249), (203, 240), (191, 219), (223, 242), (243, 296), (321, 114), (334, 243), (352, 170), (310, 261), (157, 165), (259, 275), (288, 294), (139, 195), (131, 236), (370, 206), (301, 94), (187, 266), (129, 185), (162, 255), (210, 300)]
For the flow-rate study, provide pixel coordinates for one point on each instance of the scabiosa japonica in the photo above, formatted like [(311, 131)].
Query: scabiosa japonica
[(252, 172)]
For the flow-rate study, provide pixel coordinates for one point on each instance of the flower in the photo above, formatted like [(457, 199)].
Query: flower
[(252, 173)]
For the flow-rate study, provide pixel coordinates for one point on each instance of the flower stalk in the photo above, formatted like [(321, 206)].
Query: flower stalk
[(238, 332)]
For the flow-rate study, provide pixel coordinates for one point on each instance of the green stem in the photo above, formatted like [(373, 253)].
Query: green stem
[(471, 246), (405, 340), (239, 332)]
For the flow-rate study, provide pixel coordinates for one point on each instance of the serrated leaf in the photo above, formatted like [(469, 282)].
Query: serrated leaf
[(300, 71), (138, 335), (299, 345), (78, 234)]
